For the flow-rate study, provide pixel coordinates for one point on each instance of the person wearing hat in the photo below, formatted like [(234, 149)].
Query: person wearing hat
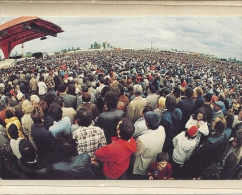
[(207, 153), (184, 145), (217, 106), (18, 109), (148, 144)]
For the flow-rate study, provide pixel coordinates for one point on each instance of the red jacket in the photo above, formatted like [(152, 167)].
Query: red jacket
[(116, 157)]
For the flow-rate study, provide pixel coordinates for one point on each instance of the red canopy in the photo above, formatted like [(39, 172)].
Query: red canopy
[(24, 29)]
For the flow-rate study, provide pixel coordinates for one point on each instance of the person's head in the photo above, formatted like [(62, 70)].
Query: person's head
[(13, 131), (162, 159), (27, 151), (176, 92), (144, 110), (152, 120), (240, 114), (237, 142), (130, 88), (84, 117), (170, 102), (199, 115), (162, 102), (105, 90), (60, 101), (86, 97), (188, 92), (111, 100), (218, 105), (49, 98), (62, 88), (192, 132), (101, 80), (27, 107), (84, 88), (199, 91), (55, 112), (125, 129), (229, 119), (34, 99), (219, 125), (151, 89), (2, 104), (37, 116), (211, 173), (138, 90), (121, 89), (208, 97), (9, 114), (20, 96)]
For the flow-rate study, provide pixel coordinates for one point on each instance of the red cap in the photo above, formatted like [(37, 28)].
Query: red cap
[(192, 131)]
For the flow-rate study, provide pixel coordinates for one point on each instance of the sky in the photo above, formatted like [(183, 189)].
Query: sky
[(218, 36)]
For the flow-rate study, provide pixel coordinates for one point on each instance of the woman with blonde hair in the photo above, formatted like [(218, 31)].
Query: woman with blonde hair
[(27, 121), (34, 99), (199, 98), (161, 107)]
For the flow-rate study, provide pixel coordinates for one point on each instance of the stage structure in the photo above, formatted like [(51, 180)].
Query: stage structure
[(23, 29)]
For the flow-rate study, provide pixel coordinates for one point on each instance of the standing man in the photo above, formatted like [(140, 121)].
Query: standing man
[(116, 156), (50, 83), (135, 106), (33, 84), (148, 144)]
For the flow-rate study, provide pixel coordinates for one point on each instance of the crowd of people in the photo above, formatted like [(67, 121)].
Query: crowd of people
[(121, 115)]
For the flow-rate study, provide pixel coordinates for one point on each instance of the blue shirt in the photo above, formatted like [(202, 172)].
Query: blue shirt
[(63, 125)]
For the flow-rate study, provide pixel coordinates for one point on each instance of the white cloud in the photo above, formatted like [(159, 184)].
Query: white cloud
[(220, 36)]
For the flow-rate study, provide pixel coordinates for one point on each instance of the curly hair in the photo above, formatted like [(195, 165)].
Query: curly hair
[(202, 111), (199, 91), (111, 100), (37, 115), (49, 98), (27, 107), (34, 99), (84, 117), (55, 111)]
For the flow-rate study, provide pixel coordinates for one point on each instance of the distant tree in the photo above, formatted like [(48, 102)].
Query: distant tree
[(104, 46), (78, 48), (28, 54), (109, 46)]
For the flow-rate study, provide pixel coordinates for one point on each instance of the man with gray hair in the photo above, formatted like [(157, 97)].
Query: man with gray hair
[(135, 106)]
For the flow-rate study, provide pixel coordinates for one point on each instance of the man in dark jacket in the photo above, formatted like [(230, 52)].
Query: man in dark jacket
[(187, 106), (108, 120), (170, 120)]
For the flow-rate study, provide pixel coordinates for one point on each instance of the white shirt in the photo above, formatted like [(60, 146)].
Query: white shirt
[(42, 88), (15, 147), (183, 148)]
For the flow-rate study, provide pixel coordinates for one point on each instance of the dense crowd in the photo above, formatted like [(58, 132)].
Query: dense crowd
[(121, 115)]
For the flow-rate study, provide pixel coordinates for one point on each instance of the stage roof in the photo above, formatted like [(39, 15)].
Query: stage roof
[(23, 29)]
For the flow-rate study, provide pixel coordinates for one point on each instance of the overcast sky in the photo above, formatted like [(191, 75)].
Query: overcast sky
[(218, 36)]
